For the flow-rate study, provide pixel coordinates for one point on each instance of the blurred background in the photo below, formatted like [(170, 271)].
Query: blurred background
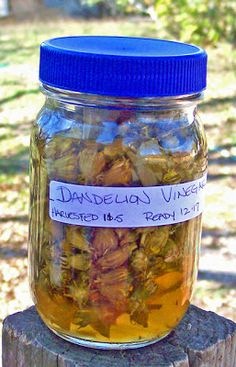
[(24, 24)]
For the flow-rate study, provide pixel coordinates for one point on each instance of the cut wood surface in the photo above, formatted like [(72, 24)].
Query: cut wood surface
[(202, 339)]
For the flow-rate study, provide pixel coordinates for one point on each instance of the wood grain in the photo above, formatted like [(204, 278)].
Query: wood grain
[(202, 339)]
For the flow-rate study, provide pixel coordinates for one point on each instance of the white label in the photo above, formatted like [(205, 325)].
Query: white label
[(96, 206)]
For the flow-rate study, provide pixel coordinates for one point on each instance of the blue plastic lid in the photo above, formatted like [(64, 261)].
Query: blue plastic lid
[(123, 66)]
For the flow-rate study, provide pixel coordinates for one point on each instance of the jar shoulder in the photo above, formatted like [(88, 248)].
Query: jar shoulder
[(171, 128)]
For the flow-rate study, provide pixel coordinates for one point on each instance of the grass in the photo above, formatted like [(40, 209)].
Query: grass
[(20, 100)]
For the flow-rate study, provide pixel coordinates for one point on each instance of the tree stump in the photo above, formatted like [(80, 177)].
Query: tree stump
[(202, 339)]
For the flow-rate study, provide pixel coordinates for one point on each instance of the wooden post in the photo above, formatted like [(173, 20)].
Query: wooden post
[(202, 339)]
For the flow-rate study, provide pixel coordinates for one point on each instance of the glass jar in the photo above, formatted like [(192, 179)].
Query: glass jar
[(118, 169)]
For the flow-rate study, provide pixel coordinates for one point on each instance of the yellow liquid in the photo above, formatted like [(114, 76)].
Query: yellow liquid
[(165, 310)]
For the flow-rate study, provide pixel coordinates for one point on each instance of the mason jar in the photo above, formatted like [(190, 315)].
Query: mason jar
[(117, 176)]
